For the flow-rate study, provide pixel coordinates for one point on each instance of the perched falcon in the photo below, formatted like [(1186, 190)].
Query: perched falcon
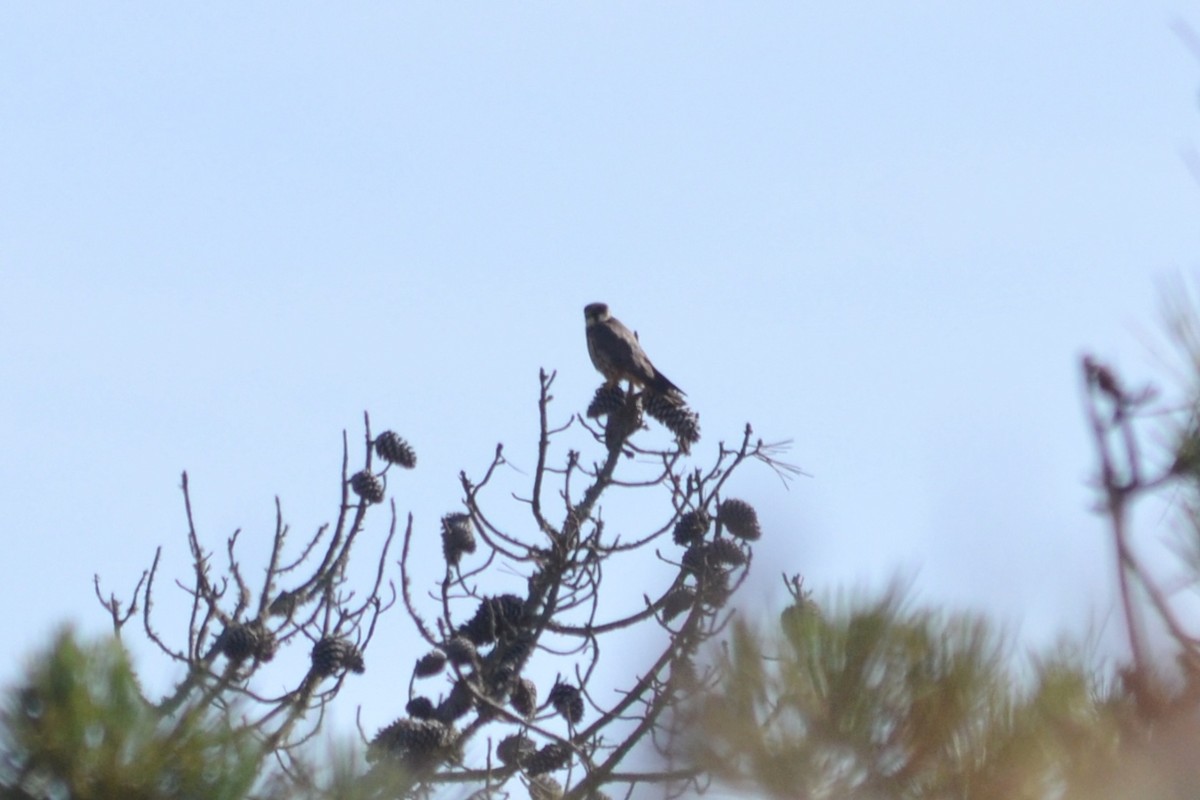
[(617, 354)]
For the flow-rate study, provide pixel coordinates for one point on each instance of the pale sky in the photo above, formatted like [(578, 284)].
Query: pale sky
[(885, 231)]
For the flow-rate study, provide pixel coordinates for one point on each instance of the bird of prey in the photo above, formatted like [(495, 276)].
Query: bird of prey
[(618, 356)]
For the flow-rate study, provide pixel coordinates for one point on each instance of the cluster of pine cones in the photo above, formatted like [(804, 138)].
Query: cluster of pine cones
[(709, 560), (624, 412), (391, 449), (488, 653)]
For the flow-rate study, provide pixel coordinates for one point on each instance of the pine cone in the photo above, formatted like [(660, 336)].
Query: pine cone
[(494, 616), (726, 551), (460, 651), (331, 655), (551, 757), (430, 664), (677, 602), (606, 400), (524, 697), (367, 486), (712, 577), (514, 749), (420, 707), (700, 561), (457, 703), (714, 589), (509, 612), (676, 417), (740, 519), (481, 628), (567, 701), (516, 652), (394, 450), (237, 642), (692, 526), (419, 744), (458, 537), (247, 640)]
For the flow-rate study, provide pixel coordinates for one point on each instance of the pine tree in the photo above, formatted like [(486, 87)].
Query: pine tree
[(475, 684)]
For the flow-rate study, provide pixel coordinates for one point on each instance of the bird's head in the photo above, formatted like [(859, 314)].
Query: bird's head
[(596, 313)]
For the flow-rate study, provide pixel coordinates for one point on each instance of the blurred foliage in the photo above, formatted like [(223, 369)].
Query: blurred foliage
[(878, 701), (77, 727)]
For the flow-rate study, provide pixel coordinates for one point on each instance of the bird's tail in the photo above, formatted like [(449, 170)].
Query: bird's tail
[(666, 387)]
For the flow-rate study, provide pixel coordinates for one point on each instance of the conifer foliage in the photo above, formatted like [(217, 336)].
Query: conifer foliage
[(76, 726)]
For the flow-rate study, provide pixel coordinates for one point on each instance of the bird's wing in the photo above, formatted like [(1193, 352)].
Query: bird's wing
[(622, 346)]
